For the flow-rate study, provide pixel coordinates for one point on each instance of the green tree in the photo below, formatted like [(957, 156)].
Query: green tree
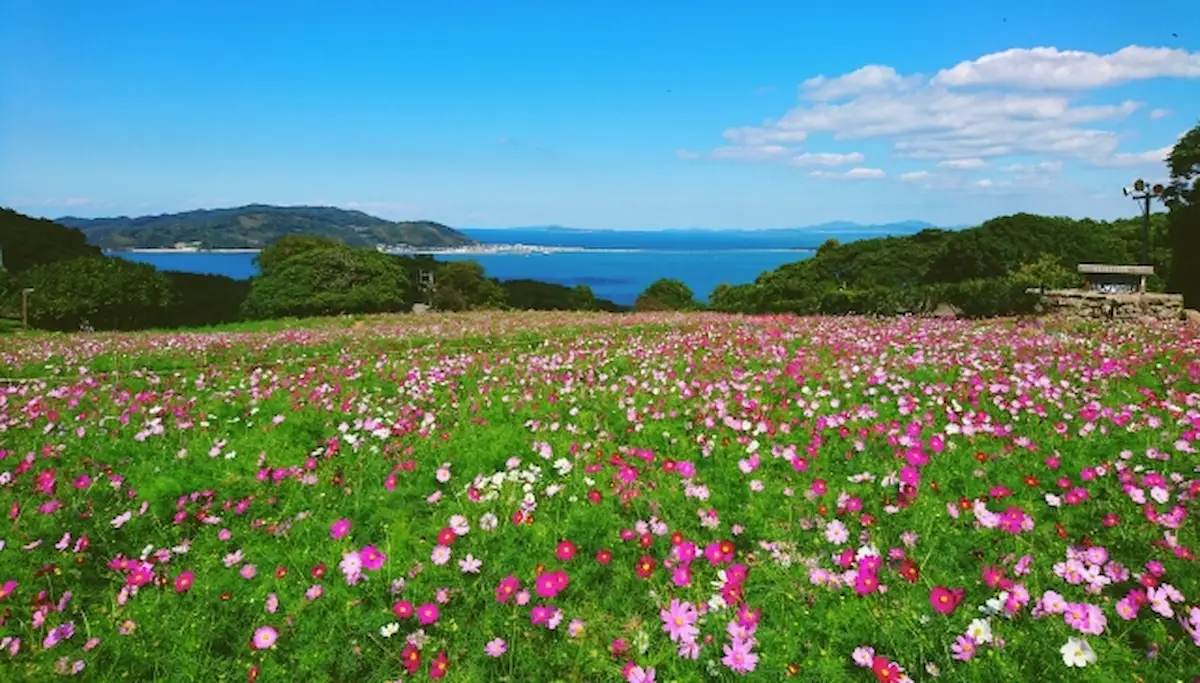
[(26, 242), (583, 298), (105, 293), (463, 286), (1183, 200), (329, 281), (202, 300), (1046, 271), (269, 259), (1000, 245), (666, 294), (735, 298)]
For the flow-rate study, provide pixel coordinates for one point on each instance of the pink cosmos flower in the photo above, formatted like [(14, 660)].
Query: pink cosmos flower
[(264, 637), (372, 558), (495, 647), (427, 614), (679, 619), (403, 609), (183, 582), (739, 657), (945, 600), (637, 674), (340, 528), (507, 587), (540, 614), (565, 551), (964, 648)]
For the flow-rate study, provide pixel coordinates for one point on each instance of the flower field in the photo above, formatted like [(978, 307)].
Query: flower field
[(551, 497)]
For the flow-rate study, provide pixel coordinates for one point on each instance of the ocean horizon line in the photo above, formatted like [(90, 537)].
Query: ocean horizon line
[(499, 250)]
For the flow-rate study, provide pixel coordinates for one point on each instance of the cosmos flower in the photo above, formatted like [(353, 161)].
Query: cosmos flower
[(264, 637)]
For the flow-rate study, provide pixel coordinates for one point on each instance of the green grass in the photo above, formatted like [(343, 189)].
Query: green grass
[(359, 419)]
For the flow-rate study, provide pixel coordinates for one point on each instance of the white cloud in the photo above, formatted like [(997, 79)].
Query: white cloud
[(914, 176), (1153, 157), (852, 174), (826, 159), (751, 152), (1051, 68), (984, 182), (687, 154), (1016, 103), (970, 163), (1040, 167), (1159, 113), (868, 79)]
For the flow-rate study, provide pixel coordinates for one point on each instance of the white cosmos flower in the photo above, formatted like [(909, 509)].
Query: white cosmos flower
[(1077, 652), (980, 630)]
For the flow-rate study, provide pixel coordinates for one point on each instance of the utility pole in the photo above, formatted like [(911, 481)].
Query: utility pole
[(1142, 194), (25, 307)]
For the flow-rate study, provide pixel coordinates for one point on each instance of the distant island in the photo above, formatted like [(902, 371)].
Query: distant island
[(257, 225)]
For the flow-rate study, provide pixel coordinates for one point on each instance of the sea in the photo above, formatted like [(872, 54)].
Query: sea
[(617, 264)]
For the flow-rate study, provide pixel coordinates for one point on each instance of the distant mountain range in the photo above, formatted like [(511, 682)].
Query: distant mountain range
[(258, 225)]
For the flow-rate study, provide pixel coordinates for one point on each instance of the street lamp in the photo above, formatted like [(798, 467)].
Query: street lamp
[(25, 307), (1143, 193)]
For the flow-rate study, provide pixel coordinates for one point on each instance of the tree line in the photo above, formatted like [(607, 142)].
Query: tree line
[(75, 286), (981, 271)]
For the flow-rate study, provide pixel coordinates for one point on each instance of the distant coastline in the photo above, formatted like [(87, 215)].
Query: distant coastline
[(480, 250), (172, 250)]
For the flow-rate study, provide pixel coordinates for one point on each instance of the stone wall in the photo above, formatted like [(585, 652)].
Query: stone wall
[(1090, 305)]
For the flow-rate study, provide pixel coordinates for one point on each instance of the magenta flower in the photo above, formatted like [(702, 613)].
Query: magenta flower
[(183, 582), (427, 614), (340, 528), (540, 615), (507, 587), (372, 558), (945, 600)]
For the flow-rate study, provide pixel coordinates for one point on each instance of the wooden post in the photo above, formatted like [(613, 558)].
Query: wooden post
[(25, 308)]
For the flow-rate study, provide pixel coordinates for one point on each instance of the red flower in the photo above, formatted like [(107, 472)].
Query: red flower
[(885, 671), (565, 551), (945, 600), (604, 556), (909, 571), (439, 665), (411, 658), (645, 566)]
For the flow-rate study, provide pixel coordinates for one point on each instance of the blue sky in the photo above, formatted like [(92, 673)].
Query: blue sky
[(592, 114)]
